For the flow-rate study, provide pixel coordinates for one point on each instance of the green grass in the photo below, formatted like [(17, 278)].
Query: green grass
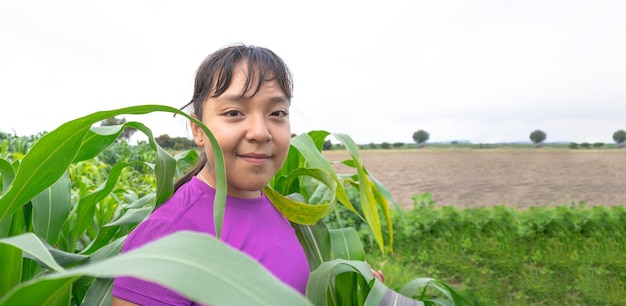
[(566, 255)]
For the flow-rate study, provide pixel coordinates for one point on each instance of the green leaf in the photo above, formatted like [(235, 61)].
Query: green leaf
[(368, 200), (44, 164), (51, 155), (11, 256), (51, 208), (132, 216), (99, 292), (320, 287), (315, 240), (295, 211), (346, 244), (198, 266), (380, 295), (87, 204), (7, 174), (32, 245), (417, 288), (314, 159), (60, 257)]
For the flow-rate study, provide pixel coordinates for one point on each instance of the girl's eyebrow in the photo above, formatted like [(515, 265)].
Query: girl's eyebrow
[(239, 98)]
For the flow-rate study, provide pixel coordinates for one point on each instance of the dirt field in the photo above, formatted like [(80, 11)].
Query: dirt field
[(516, 177)]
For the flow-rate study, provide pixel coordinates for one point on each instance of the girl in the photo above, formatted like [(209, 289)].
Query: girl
[(242, 94)]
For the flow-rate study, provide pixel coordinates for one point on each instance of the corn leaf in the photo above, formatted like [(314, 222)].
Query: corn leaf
[(315, 240), (380, 295), (321, 286), (198, 266), (417, 288), (346, 244), (34, 246), (368, 201), (51, 208), (314, 159), (51, 155), (295, 211), (11, 256), (7, 174)]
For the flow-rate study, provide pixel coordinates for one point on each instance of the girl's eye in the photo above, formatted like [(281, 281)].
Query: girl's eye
[(232, 113), (280, 114)]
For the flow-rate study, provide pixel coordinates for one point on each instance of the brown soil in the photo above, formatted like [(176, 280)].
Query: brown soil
[(516, 177)]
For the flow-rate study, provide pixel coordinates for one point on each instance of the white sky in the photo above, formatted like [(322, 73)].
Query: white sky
[(483, 71)]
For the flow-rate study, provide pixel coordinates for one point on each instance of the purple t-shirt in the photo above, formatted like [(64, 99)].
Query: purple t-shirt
[(253, 226)]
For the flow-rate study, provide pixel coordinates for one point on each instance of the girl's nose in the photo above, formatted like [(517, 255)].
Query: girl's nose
[(258, 129)]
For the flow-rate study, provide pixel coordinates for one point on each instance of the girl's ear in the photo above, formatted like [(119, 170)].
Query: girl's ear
[(198, 133)]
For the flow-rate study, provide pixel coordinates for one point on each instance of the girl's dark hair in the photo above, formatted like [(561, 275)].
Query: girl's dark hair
[(215, 75)]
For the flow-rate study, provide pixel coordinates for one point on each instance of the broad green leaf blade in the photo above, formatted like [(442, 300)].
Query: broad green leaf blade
[(11, 256), (46, 161), (320, 176), (198, 266), (52, 154), (142, 202), (318, 137), (99, 292), (315, 240), (51, 208), (380, 295), (417, 288), (44, 291), (368, 201), (60, 257), (112, 249), (7, 174), (293, 161), (31, 244), (165, 166), (346, 244), (314, 159), (295, 211), (190, 157), (132, 216), (322, 279), (96, 140), (86, 204), (381, 200)]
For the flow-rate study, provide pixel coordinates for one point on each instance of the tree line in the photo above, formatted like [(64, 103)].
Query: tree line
[(537, 137)]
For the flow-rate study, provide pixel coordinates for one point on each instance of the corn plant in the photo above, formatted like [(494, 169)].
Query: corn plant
[(61, 234)]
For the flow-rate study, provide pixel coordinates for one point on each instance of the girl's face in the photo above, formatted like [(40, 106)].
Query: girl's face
[(253, 132)]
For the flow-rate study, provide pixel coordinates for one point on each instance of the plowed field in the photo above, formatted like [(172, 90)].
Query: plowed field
[(517, 177)]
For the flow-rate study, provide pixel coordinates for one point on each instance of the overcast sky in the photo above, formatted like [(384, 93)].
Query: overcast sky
[(482, 71)]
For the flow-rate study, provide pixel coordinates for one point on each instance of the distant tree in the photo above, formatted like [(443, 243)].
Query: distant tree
[(126, 133), (537, 137), (372, 145), (420, 137), (176, 143), (398, 144), (598, 145), (385, 145), (327, 145), (619, 137), (165, 141), (573, 145), (585, 145)]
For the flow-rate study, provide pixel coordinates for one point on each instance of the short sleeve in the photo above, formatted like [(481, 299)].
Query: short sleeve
[(144, 292)]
